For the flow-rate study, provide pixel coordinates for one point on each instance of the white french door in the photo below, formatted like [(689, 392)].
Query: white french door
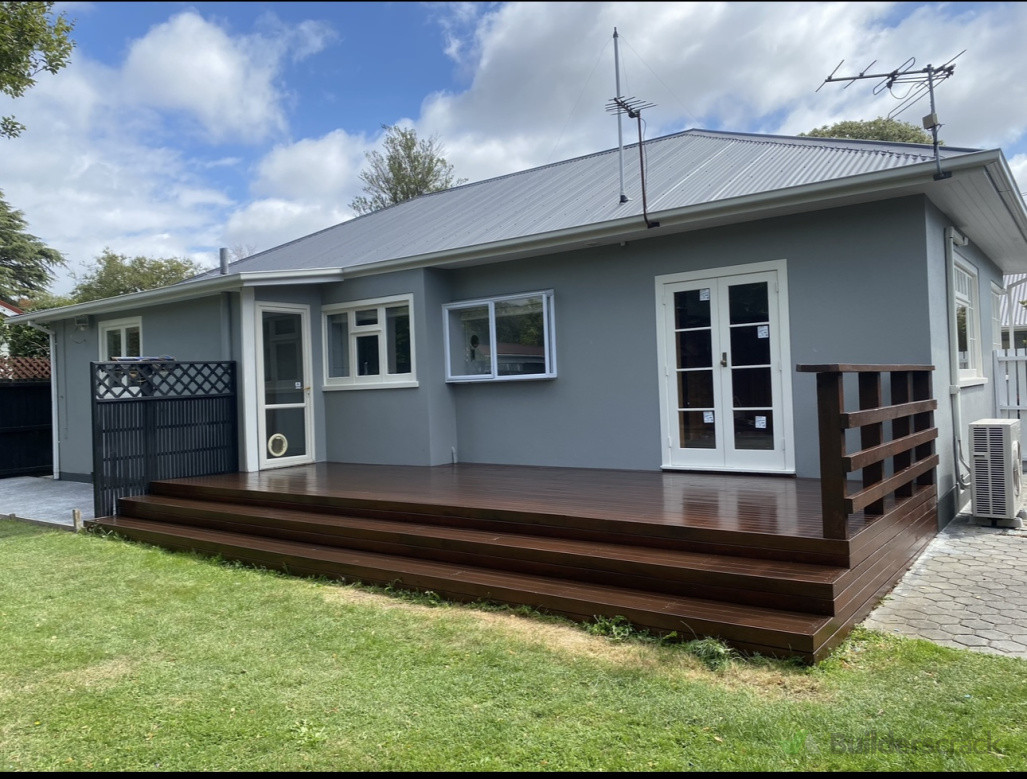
[(726, 398), (285, 418)]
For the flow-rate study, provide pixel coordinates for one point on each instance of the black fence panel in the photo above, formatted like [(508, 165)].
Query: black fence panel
[(26, 431), (160, 419)]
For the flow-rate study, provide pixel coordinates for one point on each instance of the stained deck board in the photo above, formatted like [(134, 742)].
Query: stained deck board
[(730, 578), (719, 513), (741, 557)]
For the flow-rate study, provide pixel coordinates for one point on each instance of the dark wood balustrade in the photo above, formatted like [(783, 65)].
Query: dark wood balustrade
[(907, 445)]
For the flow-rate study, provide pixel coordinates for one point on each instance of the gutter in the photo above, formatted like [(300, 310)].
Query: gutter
[(185, 290)]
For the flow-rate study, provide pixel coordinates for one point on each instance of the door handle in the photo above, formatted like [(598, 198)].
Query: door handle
[(723, 360)]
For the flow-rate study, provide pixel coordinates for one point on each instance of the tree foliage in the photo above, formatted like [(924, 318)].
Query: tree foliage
[(116, 274), (32, 40), (879, 129), (25, 341), (26, 264), (409, 167)]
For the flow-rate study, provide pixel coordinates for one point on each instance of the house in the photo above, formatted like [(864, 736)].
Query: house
[(536, 320), (1015, 294), (7, 310)]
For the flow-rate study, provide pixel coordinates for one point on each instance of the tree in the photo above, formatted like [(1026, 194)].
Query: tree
[(25, 341), (32, 40), (26, 263), (408, 168), (879, 129), (115, 274)]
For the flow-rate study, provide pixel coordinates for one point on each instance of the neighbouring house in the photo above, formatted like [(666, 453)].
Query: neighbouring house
[(7, 310), (1012, 301), (535, 319)]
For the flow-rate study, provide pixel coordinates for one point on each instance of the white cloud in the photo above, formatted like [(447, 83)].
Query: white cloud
[(142, 156), (319, 169), (191, 64), (269, 222), (543, 73)]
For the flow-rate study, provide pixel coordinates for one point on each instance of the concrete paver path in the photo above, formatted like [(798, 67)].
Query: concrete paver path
[(967, 590)]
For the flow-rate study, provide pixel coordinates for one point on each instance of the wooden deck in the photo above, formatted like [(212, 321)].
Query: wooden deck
[(735, 556)]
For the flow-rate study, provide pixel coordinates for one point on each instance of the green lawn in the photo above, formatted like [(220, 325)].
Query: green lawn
[(116, 656)]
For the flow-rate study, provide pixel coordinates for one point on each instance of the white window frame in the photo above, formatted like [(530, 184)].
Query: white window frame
[(970, 299), (548, 338), (384, 379), (123, 325)]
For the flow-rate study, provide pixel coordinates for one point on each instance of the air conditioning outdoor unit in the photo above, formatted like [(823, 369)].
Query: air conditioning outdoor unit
[(997, 469)]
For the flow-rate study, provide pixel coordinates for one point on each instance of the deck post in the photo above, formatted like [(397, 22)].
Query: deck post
[(830, 403)]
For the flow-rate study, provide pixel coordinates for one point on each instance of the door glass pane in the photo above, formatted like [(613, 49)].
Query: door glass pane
[(754, 430), (695, 349), (338, 346), (748, 303), (698, 430), (367, 355), (751, 387), (133, 346), (283, 358), (520, 337), (692, 308), (398, 336), (286, 433), (114, 344), (750, 345), (695, 389), (469, 338)]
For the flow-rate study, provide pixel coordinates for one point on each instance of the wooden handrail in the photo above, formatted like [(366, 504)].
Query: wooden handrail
[(896, 454)]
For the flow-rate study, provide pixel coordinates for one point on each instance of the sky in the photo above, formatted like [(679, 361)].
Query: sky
[(180, 128)]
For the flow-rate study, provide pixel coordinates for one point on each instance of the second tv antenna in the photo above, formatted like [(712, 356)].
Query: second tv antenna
[(920, 82)]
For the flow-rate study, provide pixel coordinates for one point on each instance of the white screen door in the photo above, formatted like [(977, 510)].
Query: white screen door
[(283, 353), (724, 399)]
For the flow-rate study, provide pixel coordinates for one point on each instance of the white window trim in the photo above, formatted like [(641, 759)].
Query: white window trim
[(122, 325), (974, 374), (382, 380), (548, 337)]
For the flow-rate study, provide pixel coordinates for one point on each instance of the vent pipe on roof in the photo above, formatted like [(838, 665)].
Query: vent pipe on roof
[(224, 261)]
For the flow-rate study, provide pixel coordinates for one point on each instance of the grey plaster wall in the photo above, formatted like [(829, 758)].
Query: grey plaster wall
[(186, 331), (974, 401), (408, 425), (857, 293)]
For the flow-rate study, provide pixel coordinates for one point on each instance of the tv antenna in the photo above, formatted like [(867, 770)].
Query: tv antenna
[(633, 107), (921, 82)]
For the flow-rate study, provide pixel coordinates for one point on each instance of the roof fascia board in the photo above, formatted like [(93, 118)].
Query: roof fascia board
[(179, 292)]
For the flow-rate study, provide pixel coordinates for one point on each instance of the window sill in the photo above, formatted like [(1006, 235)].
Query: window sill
[(495, 379), (980, 381), (371, 385)]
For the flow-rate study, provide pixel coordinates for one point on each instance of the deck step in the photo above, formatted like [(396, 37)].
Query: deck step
[(777, 584), (581, 522), (751, 628)]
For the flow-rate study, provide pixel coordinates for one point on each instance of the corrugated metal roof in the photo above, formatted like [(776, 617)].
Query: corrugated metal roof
[(686, 169), (1019, 311)]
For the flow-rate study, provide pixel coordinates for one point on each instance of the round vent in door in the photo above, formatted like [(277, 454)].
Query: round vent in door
[(277, 445)]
